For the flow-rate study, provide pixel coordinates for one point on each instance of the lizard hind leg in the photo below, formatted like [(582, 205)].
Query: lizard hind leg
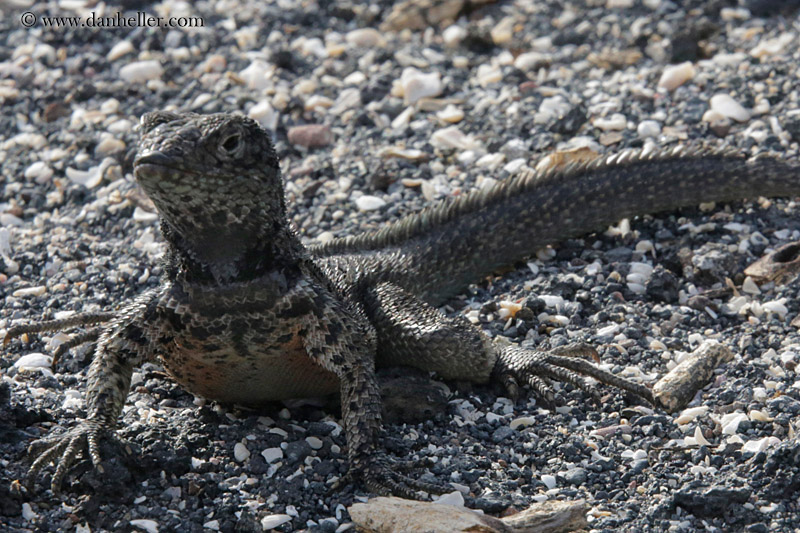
[(568, 363)]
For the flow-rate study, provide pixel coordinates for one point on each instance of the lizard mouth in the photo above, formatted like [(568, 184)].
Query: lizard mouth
[(154, 159), (156, 165)]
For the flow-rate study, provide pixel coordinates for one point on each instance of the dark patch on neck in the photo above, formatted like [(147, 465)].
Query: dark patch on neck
[(267, 256)]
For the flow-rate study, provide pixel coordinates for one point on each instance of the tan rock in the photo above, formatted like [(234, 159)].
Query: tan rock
[(396, 515)]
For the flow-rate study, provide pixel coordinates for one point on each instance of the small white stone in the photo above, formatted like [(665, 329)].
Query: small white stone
[(676, 75), (503, 31), (318, 102), (369, 203), (777, 307), (769, 47), (27, 139), (455, 498), (759, 445), (453, 35), (608, 331), (648, 128), (274, 520), (28, 513), (39, 172), (29, 291), (314, 47), (403, 119), (33, 361), (325, 236), (272, 454), (365, 37), (151, 526), (513, 166), (88, 178), (730, 14), (491, 161), (749, 286), (5, 243), (641, 268), (240, 452), (619, 4), (488, 74), (522, 422), (688, 415), (551, 300), (257, 75), (213, 525), (265, 114), (8, 93), (452, 137), (417, 85), (314, 442), (108, 146), (759, 416), (356, 78), (141, 71), (450, 114), (347, 99), (142, 215), (699, 438), (531, 60), (549, 481), (727, 106), (730, 422), (119, 50), (617, 122)]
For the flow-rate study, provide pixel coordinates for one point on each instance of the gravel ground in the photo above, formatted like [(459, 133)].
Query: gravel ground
[(373, 124)]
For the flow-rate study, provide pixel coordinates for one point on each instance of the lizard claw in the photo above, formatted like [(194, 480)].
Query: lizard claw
[(64, 449), (381, 476), (568, 363)]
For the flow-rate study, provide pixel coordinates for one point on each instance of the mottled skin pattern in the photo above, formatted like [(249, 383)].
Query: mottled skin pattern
[(247, 314)]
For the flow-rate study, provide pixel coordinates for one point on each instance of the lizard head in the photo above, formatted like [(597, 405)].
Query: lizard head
[(216, 183)]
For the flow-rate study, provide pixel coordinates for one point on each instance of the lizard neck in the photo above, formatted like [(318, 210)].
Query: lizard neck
[(223, 254)]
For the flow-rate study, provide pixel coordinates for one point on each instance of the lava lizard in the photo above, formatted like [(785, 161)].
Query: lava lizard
[(246, 313)]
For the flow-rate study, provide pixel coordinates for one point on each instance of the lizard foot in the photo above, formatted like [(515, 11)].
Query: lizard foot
[(81, 319), (567, 363), (382, 476), (64, 449)]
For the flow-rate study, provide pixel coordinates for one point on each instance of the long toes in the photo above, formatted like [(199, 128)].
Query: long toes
[(511, 386), (542, 390), (407, 465), (603, 376), (578, 349), (66, 461), (430, 488), (94, 448), (389, 487)]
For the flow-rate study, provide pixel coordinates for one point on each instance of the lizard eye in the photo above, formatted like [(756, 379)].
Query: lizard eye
[(231, 145)]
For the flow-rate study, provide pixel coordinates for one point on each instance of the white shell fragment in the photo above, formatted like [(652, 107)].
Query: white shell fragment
[(727, 106), (675, 76), (369, 203), (141, 71), (417, 85)]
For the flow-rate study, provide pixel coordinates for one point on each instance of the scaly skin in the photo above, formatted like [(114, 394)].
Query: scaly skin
[(247, 314)]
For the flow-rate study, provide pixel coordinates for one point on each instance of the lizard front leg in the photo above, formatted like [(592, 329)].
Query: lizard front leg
[(80, 319), (339, 338), (125, 343), (412, 332)]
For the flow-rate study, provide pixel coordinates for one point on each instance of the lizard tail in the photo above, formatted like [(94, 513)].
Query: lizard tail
[(437, 252)]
